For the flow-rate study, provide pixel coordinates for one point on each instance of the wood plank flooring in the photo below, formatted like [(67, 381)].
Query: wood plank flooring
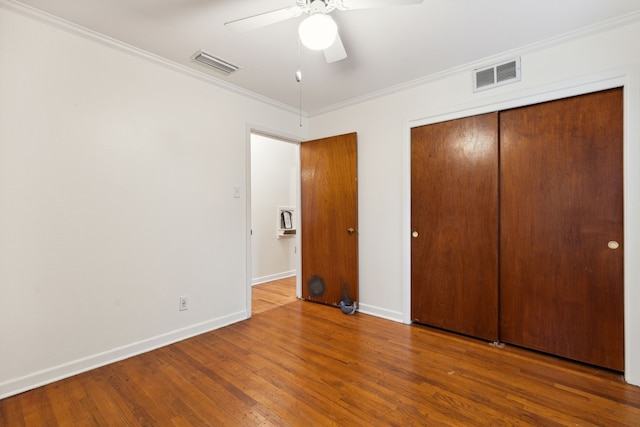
[(267, 296), (305, 364)]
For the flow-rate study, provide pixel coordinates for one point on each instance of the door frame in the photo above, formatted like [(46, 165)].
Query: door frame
[(629, 79), (252, 128)]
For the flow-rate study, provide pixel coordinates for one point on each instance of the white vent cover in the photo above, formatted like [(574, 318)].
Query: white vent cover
[(217, 63), (496, 75)]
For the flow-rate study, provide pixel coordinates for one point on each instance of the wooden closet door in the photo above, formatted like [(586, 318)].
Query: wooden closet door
[(561, 219), (454, 216)]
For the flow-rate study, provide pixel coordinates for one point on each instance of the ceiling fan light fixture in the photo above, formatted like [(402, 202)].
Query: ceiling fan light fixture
[(318, 31)]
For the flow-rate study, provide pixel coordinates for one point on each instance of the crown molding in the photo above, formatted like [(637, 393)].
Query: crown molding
[(521, 51), (47, 18)]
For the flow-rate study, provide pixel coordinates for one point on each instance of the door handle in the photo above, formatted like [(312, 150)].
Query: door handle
[(350, 230)]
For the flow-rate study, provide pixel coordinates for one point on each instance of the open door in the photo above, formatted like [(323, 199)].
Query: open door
[(329, 220)]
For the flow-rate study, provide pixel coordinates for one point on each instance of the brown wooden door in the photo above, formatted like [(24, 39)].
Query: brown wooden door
[(329, 218), (561, 204), (454, 217)]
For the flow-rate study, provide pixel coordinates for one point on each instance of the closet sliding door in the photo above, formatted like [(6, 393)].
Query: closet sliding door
[(454, 219), (561, 279)]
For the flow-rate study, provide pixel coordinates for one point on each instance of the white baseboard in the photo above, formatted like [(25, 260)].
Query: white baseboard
[(272, 277), (395, 316), (56, 373)]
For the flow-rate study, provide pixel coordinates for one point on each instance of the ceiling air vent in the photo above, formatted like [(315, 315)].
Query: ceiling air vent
[(496, 75), (217, 63)]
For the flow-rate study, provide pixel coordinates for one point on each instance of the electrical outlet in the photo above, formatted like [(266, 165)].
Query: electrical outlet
[(184, 303)]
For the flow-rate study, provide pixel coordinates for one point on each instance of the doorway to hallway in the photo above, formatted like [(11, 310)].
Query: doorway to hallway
[(274, 210)]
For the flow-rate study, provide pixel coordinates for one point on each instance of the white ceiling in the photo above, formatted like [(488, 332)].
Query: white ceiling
[(386, 47)]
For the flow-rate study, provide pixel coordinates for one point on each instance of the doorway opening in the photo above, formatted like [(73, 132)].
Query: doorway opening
[(274, 217)]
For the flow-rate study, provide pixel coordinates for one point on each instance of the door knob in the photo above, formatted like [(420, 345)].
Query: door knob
[(613, 244), (414, 234), (350, 230)]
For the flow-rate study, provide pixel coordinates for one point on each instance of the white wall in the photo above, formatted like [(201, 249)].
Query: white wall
[(116, 198), (274, 167), (559, 68)]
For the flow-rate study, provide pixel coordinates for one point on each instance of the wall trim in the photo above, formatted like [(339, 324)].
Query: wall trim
[(272, 277), (78, 366), (105, 40), (383, 313), (627, 77)]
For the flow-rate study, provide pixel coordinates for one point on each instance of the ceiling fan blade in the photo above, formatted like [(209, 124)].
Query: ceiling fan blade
[(336, 51), (263, 19), (368, 4)]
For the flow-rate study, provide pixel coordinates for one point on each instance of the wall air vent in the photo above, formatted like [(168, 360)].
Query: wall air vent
[(496, 75), (213, 62)]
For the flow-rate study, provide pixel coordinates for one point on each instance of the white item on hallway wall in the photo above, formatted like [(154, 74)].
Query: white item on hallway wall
[(285, 222)]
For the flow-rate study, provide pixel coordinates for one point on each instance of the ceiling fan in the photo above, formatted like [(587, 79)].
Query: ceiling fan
[(318, 31)]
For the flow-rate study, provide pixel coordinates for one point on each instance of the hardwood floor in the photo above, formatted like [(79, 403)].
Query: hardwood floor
[(267, 296), (307, 364)]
